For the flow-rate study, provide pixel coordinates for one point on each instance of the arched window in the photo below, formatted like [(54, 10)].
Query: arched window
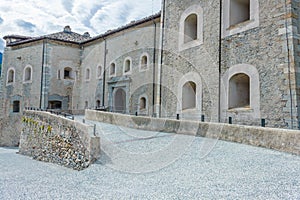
[(239, 91), (11, 75), (112, 69), (239, 11), (27, 74), (143, 103), (190, 28), (236, 12), (144, 62), (87, 74), (127, 65), (99, 72), (68, 73), (98, 104), (189, 95)]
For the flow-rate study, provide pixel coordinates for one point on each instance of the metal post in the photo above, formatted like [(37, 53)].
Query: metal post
[(94, 129), (202, 118), (177, 116), (263, 122), (230, 120)]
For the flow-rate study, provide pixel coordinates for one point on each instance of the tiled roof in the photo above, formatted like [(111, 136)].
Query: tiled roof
[(68, 36), (131, 24)]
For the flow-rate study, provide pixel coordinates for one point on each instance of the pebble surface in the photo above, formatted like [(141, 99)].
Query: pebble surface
[(150, 165)]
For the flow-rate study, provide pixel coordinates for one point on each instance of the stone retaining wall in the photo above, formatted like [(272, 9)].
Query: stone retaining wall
[(51, 138), (279, 139), (10, 129)]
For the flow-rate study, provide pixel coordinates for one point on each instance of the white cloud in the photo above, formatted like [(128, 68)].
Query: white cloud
[(35, 17)]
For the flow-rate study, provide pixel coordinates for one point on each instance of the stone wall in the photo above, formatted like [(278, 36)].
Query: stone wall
[(55, 139), (278, 139), (10, 129)]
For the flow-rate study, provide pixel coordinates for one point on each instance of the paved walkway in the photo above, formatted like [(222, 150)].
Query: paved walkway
[(150, 165)]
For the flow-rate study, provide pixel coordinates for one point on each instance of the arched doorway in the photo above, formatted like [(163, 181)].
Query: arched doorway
[(120, 101)]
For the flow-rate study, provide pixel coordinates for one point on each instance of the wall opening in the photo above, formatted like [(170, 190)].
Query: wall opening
[(143, 103), (11, 76), (27, 75), (112, 69), (68, 74), (239, 11), (190, 28), (120, 101), (144, 62), (239, 91), (86, 105), (55, 105), (127, 66), (16, 106), (87, 74), (189, 95)]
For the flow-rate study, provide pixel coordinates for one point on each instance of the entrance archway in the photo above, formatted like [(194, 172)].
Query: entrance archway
[(120, 101)]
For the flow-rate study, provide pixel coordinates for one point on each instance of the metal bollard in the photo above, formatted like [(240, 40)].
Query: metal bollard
[(177, 116), (202, 118), (230, 120), (263, 122)]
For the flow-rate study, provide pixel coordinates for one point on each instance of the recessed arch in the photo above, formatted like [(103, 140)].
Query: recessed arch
[(191, 27), (10, 79), (189, 95), (127, 66), (112, 69), (144, 62), (190, 84), (241, 77), (27, 74), (239, 91)]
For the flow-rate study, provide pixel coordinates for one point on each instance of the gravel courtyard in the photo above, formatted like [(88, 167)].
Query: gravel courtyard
[(151, 165)]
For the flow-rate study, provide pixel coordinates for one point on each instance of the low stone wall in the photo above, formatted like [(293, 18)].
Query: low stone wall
[(279, 139), (10, 129), (51, 138)]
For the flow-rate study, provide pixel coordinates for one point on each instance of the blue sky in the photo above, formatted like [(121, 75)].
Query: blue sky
[(40, 17)]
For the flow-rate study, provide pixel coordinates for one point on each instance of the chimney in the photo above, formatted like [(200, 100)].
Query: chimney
[(67, 29), (86, 35)]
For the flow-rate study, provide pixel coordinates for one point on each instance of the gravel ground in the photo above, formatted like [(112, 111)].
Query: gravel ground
[(151, 165)]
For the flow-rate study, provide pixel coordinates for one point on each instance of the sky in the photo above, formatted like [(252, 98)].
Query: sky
[(41, 17)]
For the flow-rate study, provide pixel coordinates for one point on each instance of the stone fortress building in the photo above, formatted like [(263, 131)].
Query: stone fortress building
[(195, 59)]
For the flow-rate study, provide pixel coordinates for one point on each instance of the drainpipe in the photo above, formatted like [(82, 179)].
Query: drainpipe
[(104, 72), (154, 65), (289, 64), (42, 76), (161, 58), (220, 60)]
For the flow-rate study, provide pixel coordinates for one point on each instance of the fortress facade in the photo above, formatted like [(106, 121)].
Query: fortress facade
[(216, 60)]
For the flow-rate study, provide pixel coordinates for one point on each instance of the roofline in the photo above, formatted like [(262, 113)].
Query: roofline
[(130, 25), (38, 39)]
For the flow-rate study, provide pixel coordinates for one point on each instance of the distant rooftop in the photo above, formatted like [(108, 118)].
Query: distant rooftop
[(68, 36)]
